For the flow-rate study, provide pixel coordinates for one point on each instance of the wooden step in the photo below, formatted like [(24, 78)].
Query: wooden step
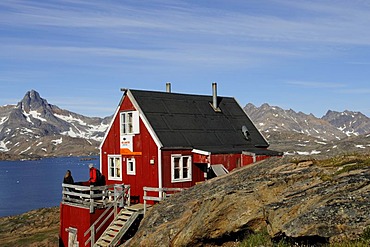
[(120, 222), (102, 243), (126, 212), (107, 238), (115, 227), (111, 233), (123, 217)]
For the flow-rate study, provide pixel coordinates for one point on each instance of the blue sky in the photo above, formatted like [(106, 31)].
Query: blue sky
[(309, 56)]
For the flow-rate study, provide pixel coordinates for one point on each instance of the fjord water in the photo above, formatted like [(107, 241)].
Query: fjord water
[(27, 185)]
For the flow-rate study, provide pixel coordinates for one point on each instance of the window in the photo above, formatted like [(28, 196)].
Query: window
[(114, 167), (131, 166), (180, 168), (129, 122)]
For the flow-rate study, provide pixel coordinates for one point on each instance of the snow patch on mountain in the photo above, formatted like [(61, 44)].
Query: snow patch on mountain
[(70, 119), (34, 114), (3, 146), (25, 150), (360, 146), (3, 120), (57, 141), (313, 152)]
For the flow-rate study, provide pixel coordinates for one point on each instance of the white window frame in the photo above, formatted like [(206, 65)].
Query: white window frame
[(117, 167), (129, 123), (130, 171), (180, 176)]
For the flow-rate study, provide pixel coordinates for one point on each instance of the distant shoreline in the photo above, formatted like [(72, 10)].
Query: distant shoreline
[(13, 157)]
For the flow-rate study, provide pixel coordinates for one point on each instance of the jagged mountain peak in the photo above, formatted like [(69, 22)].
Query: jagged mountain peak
[(265, 105), (32, 101), (350, 122)]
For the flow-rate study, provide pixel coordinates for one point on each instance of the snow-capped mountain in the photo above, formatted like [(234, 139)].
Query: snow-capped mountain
[(300, 133), (349, 122), (275, 119), (34, 127)]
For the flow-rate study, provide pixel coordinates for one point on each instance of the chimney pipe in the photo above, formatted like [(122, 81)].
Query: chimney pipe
[(168, 87), (214, 91)]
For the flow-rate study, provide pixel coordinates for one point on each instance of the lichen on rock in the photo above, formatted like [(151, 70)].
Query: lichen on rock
[(287, 198)]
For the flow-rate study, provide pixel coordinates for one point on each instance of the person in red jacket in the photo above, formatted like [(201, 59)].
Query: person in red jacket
[(93, 176)]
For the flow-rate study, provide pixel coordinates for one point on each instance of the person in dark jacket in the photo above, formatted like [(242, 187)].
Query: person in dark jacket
[(68, 179)]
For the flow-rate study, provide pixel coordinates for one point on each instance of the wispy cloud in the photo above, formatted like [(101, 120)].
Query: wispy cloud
[(315, 84), (356, 91), (91, 32), (359, 63), (66, 42), (320, 22)]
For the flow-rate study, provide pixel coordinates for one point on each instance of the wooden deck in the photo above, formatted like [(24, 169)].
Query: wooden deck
[(93, 197)]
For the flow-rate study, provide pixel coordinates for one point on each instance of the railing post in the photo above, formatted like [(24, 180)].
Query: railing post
[(63, 188), (122, 194), (115, 200), (105, 195), (129, 196), (92, 235), (160, 193), (91, 199), (144, 201)]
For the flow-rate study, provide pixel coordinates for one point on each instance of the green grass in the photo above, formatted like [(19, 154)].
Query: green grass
[(262, 238), (344, 160), (340, 164), (357, 243), (27, 240)]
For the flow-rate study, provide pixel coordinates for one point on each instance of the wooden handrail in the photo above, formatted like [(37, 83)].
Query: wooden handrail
[(120, 199), (162, 194)]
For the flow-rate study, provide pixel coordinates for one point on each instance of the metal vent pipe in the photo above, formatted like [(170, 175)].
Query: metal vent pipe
[(214, 94), (168, 87)]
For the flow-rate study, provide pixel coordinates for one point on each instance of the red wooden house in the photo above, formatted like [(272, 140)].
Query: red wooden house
[(159, 140), (172, 140)]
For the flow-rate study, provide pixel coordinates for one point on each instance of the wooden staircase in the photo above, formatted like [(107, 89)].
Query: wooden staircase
[(120, 225)]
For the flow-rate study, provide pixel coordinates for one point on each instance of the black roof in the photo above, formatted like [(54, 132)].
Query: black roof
[(189, 121)]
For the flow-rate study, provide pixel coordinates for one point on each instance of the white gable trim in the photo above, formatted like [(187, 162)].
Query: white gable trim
[(160, 183), (145, 120)]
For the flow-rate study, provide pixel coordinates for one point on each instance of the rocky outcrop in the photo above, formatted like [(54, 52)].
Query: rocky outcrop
[(309, 200)]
